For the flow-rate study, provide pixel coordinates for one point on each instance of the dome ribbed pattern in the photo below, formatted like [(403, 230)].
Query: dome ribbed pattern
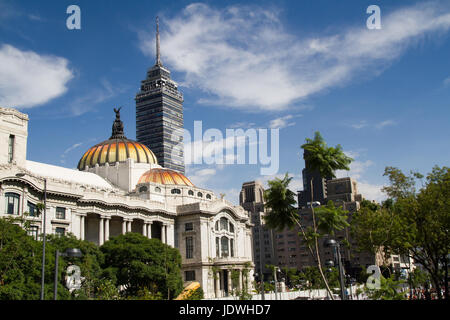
[(116, 150), (165, 176)]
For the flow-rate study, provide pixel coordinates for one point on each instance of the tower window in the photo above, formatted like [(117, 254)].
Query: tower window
[(190, 192), (11, 148), (176, 191), (188, 226), (189, 247), (189, 275)]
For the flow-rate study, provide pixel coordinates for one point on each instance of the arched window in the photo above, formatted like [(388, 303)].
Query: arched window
[(217, 225), (176, 191), (224, 247), (12, 203), (143, 189), (231, 227), (158, 189), (190, 192), (208, 196), (199, 194), (223, 224)]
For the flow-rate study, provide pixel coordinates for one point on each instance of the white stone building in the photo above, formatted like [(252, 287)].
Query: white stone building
[(120, 188)]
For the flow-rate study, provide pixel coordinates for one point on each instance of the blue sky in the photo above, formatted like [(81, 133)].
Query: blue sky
[(299, 66)]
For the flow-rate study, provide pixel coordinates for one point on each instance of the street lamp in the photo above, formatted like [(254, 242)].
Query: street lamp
[(337, 255), (72, 253), (20, 175), (275, 270)]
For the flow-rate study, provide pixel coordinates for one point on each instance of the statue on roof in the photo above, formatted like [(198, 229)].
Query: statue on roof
[(117, 111), (117, 128)]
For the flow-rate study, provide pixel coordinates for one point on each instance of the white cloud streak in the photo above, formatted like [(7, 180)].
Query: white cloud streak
[(242, 57)]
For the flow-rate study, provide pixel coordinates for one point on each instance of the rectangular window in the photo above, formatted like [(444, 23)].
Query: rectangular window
[(12, 203), (11, 148), (189, 247), (232, 247), (32, 210), (60, 231), (33, 231), (188, 226), (60, 213), (189, 275)]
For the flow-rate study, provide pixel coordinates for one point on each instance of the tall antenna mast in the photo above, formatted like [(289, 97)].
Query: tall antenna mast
[(158, 53)]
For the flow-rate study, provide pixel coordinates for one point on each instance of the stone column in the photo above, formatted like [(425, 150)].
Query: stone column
[(129, 225), (82, 232), (217, 280), (107, 219), (229, 284), (149, 231), (144, 229), (124, 226), (101, 234), (240, 279), (163, 234)]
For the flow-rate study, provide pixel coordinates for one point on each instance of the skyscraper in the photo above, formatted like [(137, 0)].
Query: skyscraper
[(159, 114)]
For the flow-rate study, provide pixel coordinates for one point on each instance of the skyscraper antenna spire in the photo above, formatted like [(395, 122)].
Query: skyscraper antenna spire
[(158, 53)]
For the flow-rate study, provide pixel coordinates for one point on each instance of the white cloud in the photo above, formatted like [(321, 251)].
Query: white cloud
[(385, 123), (242, 56), (96, 95), (446, 82), (282, 122), (357, 171), (359, 125), (28, 79)]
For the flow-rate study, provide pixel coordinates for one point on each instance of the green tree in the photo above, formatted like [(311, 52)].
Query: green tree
[(412, 223), (91, 272), (143, 265), (390, 289), (20, 262)]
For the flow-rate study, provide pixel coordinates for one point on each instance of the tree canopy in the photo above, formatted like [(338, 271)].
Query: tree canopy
[(412, 223), (141, 264)]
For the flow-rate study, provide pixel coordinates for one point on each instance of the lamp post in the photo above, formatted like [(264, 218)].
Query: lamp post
[(275, 270), (74, 253), (329, 264), (337, 254), (20, 175)]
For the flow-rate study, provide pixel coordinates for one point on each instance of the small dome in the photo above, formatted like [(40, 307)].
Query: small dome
[(165, 176), (116, 149)]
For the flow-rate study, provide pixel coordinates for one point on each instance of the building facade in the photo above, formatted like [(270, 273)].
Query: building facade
[(252, 200), (119, 188), (159, 115)]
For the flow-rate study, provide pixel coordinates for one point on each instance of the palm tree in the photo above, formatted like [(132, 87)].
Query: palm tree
[(280, 201), (326, 160)]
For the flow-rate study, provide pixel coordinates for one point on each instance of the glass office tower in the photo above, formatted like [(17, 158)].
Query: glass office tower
[(159, 115)]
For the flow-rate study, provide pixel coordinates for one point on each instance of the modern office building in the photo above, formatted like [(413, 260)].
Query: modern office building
[(319, 185), (159, 114), (252, 200)]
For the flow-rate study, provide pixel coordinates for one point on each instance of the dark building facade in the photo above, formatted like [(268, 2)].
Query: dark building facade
[(252, 200), (159, 115), (319, 186)]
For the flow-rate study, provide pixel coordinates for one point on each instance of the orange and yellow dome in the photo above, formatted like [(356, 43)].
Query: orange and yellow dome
[(165, 176), (116, 150)]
